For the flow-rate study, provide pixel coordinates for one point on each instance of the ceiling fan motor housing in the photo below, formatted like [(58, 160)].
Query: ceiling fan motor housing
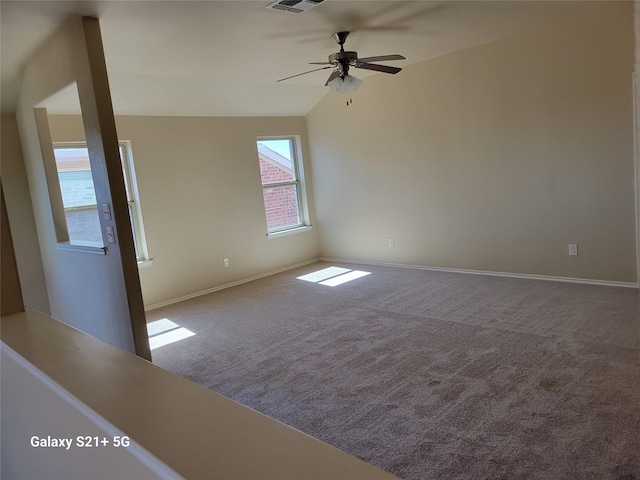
[(342, 60), (343, 56)]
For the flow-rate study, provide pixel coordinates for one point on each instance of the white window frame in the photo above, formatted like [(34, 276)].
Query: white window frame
[(135, 211), (298, 182)]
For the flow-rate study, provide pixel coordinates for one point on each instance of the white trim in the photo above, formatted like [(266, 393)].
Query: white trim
[(134, 448), (228, 285), (75, 247), (587, 281), (290, 231)]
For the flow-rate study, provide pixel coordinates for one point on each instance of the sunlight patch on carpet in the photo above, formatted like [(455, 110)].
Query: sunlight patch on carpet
[(164, 332), (333, 276)]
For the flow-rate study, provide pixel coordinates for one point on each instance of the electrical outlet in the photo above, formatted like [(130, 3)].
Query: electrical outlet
[(226, 263), (573, 249), (392, 243)]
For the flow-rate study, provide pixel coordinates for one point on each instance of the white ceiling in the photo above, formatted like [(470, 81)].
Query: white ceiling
[(222, 58)]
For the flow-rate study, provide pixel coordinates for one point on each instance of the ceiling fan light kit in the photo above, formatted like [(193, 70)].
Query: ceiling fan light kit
[(348, 83), (340, 81)]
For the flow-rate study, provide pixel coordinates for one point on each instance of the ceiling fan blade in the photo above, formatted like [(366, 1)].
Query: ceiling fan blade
[(334, 74), (377, 68), (321, 63), (381, 58), (304, 73)]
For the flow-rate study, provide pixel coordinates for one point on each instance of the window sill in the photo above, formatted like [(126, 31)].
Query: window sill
[(83, 247), (94, 248), (145, 263), (291, 231)]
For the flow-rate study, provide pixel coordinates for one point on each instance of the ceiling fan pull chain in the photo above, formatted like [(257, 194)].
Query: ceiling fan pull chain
[(349, 101)]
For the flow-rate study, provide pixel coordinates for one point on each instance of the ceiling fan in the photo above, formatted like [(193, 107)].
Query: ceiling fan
[(340, 80)]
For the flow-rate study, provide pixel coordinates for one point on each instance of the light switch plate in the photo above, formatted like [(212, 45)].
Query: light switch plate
[(106, 211)]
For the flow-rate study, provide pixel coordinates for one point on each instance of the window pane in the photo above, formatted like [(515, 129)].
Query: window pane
[(74, 172), (134, 230), (126, 177), (84, 225), (78, 194), (276, 161), (281, 206)]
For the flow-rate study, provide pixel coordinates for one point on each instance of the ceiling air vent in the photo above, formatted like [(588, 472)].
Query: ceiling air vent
[(294, 6)]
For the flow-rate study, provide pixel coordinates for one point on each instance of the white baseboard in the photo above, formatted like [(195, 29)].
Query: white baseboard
[(587, 281), (228, 285)]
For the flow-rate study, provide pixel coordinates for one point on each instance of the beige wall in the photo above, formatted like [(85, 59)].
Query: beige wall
[(201, 199), (21, 220), (492, 158)]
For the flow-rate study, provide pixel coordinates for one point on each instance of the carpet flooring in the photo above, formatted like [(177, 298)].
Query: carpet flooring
[(430, 375)]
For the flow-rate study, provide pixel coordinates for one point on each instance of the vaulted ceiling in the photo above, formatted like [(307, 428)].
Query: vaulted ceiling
[(222, 58)]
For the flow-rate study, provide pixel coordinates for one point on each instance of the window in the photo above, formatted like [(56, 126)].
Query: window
[(282, 189), (79, 197)]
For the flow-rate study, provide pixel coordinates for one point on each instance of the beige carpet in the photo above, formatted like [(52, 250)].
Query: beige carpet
[(430, 375)]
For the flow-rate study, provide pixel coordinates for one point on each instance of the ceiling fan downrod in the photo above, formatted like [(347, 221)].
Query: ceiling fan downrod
[(341, 37)]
